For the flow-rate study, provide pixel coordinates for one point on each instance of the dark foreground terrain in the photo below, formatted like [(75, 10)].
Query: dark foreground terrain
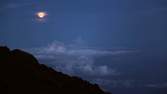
[(20, 73)]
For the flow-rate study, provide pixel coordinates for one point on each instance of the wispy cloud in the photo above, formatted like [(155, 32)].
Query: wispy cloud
[(60, 48), (76, 60), (119, 83), (157, 85)]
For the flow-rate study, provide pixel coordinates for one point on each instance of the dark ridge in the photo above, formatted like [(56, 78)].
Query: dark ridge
[(20, 73)]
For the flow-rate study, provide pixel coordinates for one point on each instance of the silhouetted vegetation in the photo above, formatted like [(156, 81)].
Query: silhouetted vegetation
[(20, 73)]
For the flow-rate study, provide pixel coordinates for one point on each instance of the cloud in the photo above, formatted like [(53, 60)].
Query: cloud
[(76, 60), (60, 48), (116, 83), (157, 85)]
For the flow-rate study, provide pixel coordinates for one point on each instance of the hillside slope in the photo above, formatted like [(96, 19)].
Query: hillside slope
[(20, 73)]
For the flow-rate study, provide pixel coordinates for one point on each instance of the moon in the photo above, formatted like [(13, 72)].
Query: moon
[(41, 14)]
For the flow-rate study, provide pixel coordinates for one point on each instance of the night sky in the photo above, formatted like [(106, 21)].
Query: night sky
[(119, 44)]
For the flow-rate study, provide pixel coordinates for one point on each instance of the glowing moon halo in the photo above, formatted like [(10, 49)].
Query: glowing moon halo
[(41, 14)]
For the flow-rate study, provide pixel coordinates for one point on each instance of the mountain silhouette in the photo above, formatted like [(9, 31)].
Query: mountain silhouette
[(20, 73)]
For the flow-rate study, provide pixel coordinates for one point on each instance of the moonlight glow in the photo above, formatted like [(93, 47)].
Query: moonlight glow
[(41, 15)]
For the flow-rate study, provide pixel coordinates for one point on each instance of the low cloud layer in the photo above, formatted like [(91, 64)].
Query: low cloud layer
[(157, 85), (118, 70), (75, 59), (78, 59)]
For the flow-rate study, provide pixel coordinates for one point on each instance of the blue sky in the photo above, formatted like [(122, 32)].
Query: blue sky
[(124, 40)]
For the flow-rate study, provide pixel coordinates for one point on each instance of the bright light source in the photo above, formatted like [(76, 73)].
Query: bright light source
[(41, 15)]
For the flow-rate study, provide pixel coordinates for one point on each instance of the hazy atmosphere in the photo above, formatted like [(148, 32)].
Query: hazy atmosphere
[(119, 44)]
